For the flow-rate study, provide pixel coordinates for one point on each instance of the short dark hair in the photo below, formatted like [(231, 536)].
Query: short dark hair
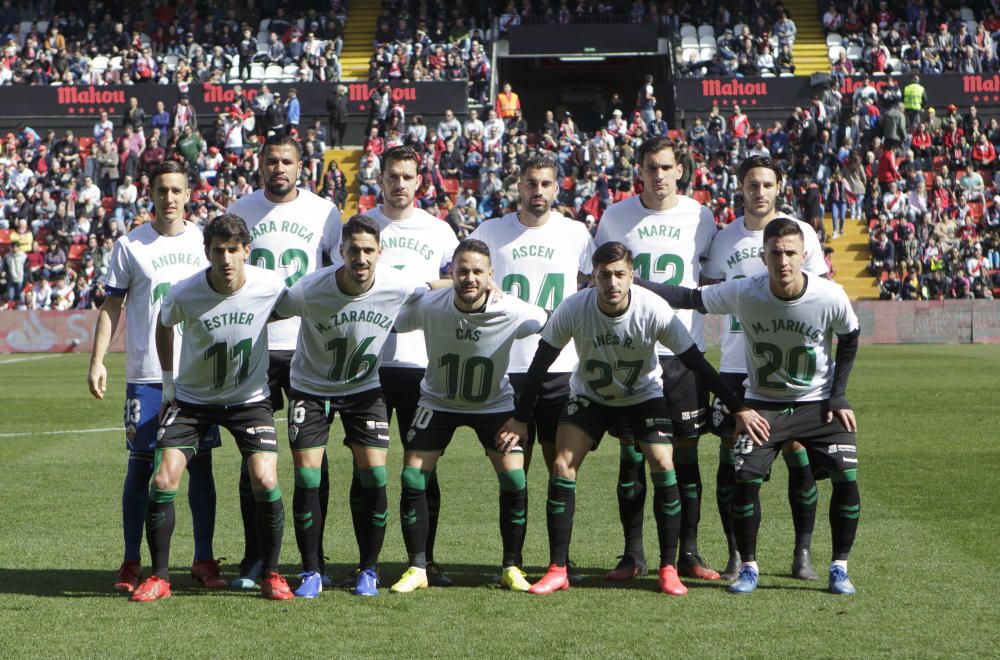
[(227, 227), (780, 227), (754, 162), (472, 245), (400, 153), (282, 140), (360, 224), (653, 146), (539, 163), (170, 167), (610, 252)]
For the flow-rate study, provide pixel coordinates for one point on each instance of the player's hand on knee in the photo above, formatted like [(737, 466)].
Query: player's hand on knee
[(846, 417), (750, 422), (97, 379), (510, 434)]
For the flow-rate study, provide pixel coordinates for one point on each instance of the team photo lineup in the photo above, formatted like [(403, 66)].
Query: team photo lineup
[(533, 331)]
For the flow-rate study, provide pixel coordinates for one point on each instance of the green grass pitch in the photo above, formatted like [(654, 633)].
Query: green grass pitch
[(925, 562)]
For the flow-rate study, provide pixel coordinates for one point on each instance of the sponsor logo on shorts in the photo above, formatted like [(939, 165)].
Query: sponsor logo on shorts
[(254, 430), (739, 462), (656, 421), (268, 441), (572, 408), (383, 437), (662, 434), (371, 425), (845, 449), (848, 459)]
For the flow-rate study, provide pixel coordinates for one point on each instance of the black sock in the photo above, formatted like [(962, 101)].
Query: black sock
[(159, 528), (666, 510), (270, 527), (374, 510), (689, 483), (433, 512), (746, 517), (845, 510), (413, 514), (324, 504), (802, 495), (725, 481), (513, 515), (248, 506), (308, 516), (632, 498), (202, 500), (357, 517), (559, 512)]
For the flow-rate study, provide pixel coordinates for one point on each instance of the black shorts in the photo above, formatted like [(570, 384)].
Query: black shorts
[(721, 422), (252, 426), (549, 407), (645, 422), (401, 389), (279, 370), (687, 398), (363, 415), (432, 430), (832, 448)]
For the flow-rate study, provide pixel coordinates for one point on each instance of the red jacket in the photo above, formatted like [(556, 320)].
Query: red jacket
[(887, 170)]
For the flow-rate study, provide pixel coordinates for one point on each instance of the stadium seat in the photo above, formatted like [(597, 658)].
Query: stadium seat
[(100, 63), (854, 53), (264, 24), (707, 53), (290, 70), (273, 71), (451, 186), (85, 143), (976, 209), (171, 61), (938, 162), (689, 42), (706, 31), (767, 74), (108, 203), (257, 71), (967, 15), (707, 42), (686, 53), (5, 236), (701, 196), (929, 179), (675, 134), (835, 52), (43, 27), (834, 39), (366, 202), (688, 30), (76, 252), (972, 26), (738, 28)]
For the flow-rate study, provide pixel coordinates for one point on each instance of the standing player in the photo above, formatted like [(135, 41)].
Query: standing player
[(615, 327), (466, 385), (789, 319), (669, 234), (421, 246), (347, 312), (293, 232), (222, 379), (734, 255), (144, 263)]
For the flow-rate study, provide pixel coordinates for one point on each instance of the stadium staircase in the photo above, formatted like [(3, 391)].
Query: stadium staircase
[(359, 34), (850, 259), (809, 50), (349, 160)]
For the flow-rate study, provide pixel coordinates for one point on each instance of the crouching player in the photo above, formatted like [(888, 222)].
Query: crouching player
[(222, 380), (789, 319), (466, 384), (615, 327)]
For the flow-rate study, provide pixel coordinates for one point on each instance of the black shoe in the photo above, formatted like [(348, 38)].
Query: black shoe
[(574, 576), (732, 570), (691, 565), (628, 567), (802, 566)]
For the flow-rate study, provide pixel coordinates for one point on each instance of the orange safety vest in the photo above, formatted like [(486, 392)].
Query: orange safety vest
[(507, 105)]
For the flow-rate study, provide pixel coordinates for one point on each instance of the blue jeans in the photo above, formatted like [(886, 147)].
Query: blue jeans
[(838, 210)]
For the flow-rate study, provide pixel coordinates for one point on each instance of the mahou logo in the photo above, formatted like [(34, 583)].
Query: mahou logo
[(980, 85), (361, 92), (90, 96), (734, 87)]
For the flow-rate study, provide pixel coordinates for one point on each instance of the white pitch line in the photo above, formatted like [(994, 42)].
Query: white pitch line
[(29, 359), (77, 431)]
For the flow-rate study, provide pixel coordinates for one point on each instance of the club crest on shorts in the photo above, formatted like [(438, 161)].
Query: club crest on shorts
[(130, 431), (410, 435), (293, 432), (159, 434), (572, 408)]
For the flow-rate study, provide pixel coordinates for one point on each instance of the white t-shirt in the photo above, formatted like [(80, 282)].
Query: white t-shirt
[(667, 246), (291, 239), (421, 247), (224, 352), (539, 265), (618, 366), (735, 254), (144, 265), (471, 350), (787, 342), (341, 336)]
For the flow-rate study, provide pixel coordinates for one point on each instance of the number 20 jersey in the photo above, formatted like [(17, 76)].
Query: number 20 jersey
[(341, 336), (289, 239), (469, 351), (539, 265), (224, 350), (667, 247), (787, 342), (618, 366)]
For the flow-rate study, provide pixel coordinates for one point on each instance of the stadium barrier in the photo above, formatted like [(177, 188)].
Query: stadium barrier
[(698, 94), (882, 322)]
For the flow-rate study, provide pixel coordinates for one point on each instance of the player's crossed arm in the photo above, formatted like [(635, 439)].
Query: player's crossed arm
[(838, 406)]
